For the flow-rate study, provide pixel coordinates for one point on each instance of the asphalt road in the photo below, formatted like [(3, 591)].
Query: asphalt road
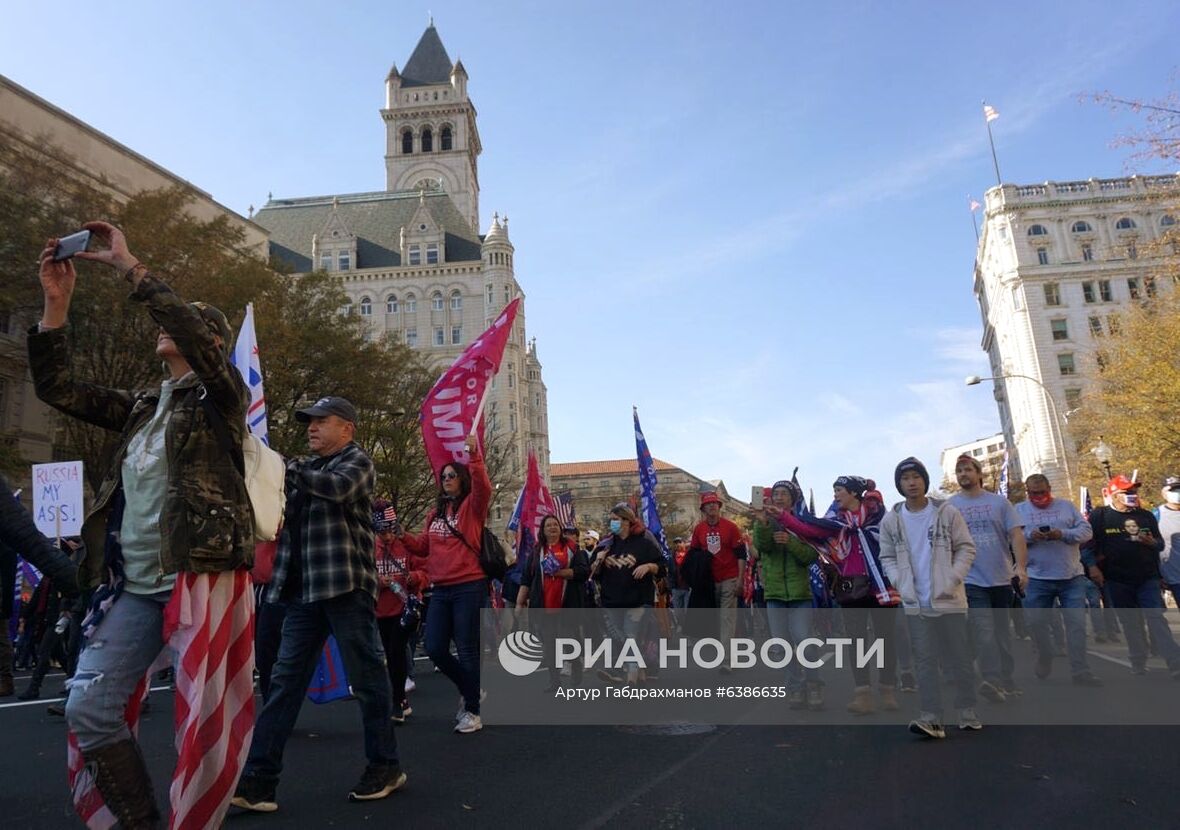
[(874, 775)]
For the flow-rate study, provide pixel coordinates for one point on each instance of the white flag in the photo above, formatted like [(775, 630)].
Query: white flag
[(245, 358)]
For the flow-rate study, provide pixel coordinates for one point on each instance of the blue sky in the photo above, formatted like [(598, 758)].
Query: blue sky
[(748, 219)]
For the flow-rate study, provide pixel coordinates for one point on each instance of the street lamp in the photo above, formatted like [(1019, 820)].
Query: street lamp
[(975, 380), (1103, 453)]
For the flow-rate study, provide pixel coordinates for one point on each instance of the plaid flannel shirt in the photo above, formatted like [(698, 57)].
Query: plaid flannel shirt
[(337, 538)]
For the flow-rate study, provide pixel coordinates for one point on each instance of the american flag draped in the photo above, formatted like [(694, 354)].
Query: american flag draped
[(209, 623), (563, 506), (647, 486)]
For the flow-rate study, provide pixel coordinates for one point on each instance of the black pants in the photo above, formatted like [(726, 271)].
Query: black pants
[(857, 617), (394, 639), (268, 634)]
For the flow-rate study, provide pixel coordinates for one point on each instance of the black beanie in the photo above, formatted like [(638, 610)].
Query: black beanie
[(905, 466)]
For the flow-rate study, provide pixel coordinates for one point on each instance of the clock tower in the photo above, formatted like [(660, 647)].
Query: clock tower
[(432, 143)]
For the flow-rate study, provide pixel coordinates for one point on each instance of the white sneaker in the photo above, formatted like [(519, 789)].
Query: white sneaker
[(483, 695), (468, 723), (410, 684), (969, 720)]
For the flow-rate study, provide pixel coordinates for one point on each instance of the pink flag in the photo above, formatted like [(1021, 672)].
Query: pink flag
[(455, 403), (536, 505)]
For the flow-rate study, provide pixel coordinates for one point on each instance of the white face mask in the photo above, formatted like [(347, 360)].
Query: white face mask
[(1173, 496)]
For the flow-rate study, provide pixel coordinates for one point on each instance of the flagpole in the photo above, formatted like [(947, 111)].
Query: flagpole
[(975, 225), (991, 142)]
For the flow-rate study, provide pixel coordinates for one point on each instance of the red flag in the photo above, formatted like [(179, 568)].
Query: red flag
[(536, 505), (449, 413)]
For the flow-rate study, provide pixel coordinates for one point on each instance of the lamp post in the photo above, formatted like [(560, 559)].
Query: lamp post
[(975, 380), (1104, 454)]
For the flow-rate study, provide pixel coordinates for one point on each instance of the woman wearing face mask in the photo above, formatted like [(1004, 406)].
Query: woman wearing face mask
[(626, 565), (450, 543), (554, 578)]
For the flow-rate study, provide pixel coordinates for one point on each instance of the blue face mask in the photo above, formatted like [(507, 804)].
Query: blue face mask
[(616, 525)]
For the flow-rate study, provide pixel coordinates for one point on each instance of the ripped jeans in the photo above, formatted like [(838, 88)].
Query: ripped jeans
[(127, 642)]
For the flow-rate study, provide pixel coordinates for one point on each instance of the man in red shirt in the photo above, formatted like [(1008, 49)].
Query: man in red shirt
[(723, 540)]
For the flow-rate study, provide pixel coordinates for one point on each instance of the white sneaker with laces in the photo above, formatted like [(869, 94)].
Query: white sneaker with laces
[(927, 725), (468, 723), (969, 721), (483, 695)]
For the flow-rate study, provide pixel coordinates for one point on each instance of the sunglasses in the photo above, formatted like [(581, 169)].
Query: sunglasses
[(449, 476)]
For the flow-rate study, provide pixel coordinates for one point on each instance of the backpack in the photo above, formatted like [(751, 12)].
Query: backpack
[(261, 468), (494, 559)]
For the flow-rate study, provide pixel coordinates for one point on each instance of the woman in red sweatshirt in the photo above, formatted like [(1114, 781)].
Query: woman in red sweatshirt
[(450, 544), (400, 576)]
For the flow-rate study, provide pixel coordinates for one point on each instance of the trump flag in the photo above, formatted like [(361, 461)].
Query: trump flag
[(245, 358)]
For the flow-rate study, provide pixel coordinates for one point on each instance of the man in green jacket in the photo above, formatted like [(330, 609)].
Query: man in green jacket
[(785, 561)]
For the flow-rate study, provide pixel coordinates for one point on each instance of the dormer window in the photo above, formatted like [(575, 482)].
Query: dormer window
[(325, 260), (344, 261), (415, 254), (432, 253)]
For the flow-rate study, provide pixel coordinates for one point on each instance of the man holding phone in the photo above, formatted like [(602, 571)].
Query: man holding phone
[(1054, 530)]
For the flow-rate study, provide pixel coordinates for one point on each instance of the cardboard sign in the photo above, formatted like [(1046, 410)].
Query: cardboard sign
[(57, 498)]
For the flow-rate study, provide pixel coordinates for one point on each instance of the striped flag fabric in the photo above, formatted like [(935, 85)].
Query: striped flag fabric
[(209, 623), (563, 506), (1002, 489), (245, 358), (975, 205), (989, 113)]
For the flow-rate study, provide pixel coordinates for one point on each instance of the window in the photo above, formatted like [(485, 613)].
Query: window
[(1065, 364), (1149, 286), (1060, 329), (1042, 256), (415, 254), (1081, 226), (512, 422), (432, 253), (407, 142), (1125, 224), (1052, 294), (456, 335), (439, 340), (993, 448), (1104, 290), (446, 138), (1017, 301), (1073, 398), (1088, 292), (344, 261), (411, 304), (1087, 252), (456, 301), (1167, 220), (1037, 230), (1133, 288), (491, 291), (1132, 251), (1096, 326), (325, 260), (507, 295), (427, 140), (1112, 324), (977, 452), (412, 338), (366, 307), (391, 304), (346, 309), (511, 377), (436, 301)]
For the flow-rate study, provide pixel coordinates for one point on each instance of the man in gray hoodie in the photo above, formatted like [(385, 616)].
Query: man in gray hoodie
[(926, 551)]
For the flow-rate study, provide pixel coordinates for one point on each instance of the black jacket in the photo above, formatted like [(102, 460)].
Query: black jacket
[(619, 588), (18, 532), (575, 589)]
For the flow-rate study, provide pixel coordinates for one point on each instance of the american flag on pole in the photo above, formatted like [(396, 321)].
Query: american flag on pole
[(563, 506), (974, 205), (209, 622), (989, 113), (245, 358)]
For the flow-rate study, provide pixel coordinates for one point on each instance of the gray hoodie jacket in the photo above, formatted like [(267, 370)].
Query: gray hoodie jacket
[(953, 552)]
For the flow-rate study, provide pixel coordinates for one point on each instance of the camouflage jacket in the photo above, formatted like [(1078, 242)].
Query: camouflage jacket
[(206, 522)]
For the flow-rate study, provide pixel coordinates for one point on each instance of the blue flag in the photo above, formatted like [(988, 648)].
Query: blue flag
[(647, 487)]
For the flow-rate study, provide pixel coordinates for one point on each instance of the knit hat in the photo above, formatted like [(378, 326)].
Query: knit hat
[(709, 498), (853, 484), (906, 466), (972, 460), (790, 486)]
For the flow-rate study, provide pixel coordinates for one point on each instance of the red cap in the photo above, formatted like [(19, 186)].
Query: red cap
[(1122, 484), (710, 498)]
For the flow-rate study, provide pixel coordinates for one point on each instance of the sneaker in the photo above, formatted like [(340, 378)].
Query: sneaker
[(378, 781), (483, 695), (1138, 668), (969, 721), (410, 684), (407, 710), (468, 723), (907, 683), (991, 692), (796, 699), (1087, 678), (398, 716), (1010, 689), (255, 794), (928, 726), (1044, 666)]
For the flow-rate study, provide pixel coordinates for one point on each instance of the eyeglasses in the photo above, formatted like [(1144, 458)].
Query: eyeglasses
[(449, 476)]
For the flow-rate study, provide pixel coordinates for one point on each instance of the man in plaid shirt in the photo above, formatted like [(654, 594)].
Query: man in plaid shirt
[(326, 575)]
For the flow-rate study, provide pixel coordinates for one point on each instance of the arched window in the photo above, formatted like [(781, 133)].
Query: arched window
[(436, 301), (456, 301), (446, 138), (366, 307), (411, 304), (407, 142), (427, 140), (346, 309), (1167, 220), (1081, 226), (1125, 224), (1037, 230), (391, 304)]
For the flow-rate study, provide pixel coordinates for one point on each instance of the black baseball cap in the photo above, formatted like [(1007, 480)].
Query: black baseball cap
[(330, 405), (1172, 483)]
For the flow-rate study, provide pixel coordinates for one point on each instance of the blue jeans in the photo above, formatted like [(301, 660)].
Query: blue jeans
[(1040, 597), (1128, 600), (990, 628), (791, 621), (941, 639), (121, 651), (352, 619), (454, 615), (268, 633)]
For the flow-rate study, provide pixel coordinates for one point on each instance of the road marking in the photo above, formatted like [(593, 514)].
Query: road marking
[(1109, 659)]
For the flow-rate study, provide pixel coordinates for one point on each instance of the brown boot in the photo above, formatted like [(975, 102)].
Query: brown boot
[(862, 701), (122, 778), (888, 698)]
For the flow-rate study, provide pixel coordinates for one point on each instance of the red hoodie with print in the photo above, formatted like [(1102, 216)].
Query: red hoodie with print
[(451, 560)]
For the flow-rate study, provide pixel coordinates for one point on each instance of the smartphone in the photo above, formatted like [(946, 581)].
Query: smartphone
[(757, 497), (70, 245), (1044, 528)]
